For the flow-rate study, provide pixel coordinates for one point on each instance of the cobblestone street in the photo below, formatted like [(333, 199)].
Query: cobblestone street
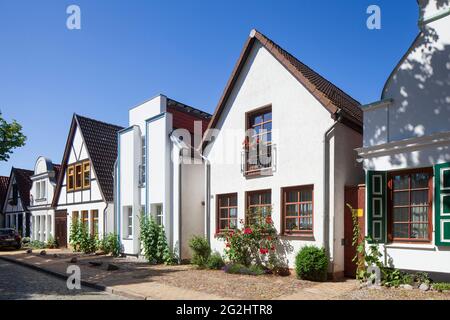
[(21, 283)]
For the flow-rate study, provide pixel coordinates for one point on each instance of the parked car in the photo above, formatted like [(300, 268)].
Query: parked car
[(10, 238)]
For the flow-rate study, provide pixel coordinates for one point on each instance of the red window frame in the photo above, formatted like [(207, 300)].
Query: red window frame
[(256, 141), (260, 204), (299, 216), (224, 202), (391, 206)]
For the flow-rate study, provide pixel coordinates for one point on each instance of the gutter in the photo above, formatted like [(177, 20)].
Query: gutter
[(326, 185), (207, 197)]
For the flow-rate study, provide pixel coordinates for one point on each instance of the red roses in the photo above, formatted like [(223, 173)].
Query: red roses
[(248, 231)]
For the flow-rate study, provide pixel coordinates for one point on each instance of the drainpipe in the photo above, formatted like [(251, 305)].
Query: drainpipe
[(180, 186), (326, 185), (207, 196)]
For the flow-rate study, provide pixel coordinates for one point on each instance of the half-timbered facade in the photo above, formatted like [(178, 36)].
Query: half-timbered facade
[(17, 200), (42, 191), (4, 182), (285, 148), (159, 173), (85, 186), (406, 152)]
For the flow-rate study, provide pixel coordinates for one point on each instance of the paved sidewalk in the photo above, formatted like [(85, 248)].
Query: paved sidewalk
[(132, 279)]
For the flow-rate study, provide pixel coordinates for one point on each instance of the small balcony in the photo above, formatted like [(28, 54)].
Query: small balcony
[(259, 159)]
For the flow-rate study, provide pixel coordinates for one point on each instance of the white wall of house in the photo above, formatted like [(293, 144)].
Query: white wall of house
[(14, 213), (151, 125), (82, 200), (413, 131), (299, 122), (41, 197)]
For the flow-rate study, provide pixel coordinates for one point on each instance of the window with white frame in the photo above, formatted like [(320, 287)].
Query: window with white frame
[(128, 221), (159, 214)]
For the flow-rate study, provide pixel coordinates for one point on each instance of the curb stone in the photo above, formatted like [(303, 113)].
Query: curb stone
[(85, 283)]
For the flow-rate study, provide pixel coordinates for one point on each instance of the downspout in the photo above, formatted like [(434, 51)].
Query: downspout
[(326, 185), (180, 186), (207, 196)]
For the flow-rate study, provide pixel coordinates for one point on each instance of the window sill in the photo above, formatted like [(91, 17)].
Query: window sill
[(263, 172), (421, 246), (298, 236)]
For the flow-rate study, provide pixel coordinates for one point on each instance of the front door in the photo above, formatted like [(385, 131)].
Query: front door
[(61, 228), (355, 197)]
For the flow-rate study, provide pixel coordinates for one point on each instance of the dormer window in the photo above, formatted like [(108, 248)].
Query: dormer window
[(70, 178), (86, 174), (41, 190)]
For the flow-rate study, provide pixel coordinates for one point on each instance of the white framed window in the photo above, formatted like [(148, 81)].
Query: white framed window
[(128, 222), (159, 215)]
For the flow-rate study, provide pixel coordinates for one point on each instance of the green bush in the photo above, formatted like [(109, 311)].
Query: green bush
[(80, 239), (51, 243), (26, 240), (441, 286), (154, 242), (36, 244), (311, 263), (215, 261), (393, 277), (110, 244), (201, 251)]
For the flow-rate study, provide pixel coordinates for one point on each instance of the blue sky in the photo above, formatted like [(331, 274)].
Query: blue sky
[(129, 51)]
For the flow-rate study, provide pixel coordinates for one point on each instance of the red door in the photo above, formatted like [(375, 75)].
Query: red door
[(354, 196)]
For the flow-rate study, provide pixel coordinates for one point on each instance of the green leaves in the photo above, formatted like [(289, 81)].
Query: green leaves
[(154, 242), (11, 137), (80, 239)]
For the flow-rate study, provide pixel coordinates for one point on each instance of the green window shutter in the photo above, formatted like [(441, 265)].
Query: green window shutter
[(442, 204), (376, 183)]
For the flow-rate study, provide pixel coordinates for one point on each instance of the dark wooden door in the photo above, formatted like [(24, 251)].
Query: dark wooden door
[(61, 228), (354, 196)]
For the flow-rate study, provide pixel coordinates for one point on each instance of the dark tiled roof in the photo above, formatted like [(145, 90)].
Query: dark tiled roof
[(24, 184), (57, 169), (4, 181), (330, 96), (101, 143), (188, 109)]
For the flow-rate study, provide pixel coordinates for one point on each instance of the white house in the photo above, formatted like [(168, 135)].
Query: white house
[(41, 197), (85, 188), (304, 131), (406, 152), (159, 173), (15, 206)]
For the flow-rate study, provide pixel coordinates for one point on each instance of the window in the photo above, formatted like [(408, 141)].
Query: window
[(75, 216), (142, 166), (86, 174), (15, 191), (85, 217), (38, 190), (298, 210), (129, 222), (159, 214), (78, 180), (226, 212), (94, 222), (258, 143), (259, 205), (41, 189), (70, 178), (411, 204)]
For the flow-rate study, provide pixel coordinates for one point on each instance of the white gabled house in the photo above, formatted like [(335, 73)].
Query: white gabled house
[(85, 188), (406, 152), (159, 173), (16, 201), (41, 197), (307, 128)]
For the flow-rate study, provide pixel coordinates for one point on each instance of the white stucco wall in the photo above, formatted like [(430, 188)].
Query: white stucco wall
[(299, 123), (415, 126)]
